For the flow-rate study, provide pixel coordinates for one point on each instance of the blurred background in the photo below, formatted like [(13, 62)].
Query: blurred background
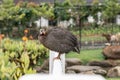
[(20, 21)]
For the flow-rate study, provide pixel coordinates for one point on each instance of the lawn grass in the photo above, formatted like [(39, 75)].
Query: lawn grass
[(87, 55), (113, 78), (93, 38)]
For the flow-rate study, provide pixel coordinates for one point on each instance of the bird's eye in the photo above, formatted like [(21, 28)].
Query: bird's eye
[(42, 32)]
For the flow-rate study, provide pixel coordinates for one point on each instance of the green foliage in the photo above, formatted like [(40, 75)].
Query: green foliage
[(17, 60), (21, 14), (78, 2), (6, 8), (111, 8), (47, 10), (70, 8), (101, 29), (95, 34), (5, 15), (61, 11)]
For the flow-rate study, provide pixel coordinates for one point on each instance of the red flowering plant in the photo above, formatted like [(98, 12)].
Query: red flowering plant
[(1, 37)]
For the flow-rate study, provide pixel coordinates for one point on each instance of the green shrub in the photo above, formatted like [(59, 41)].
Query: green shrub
[(89, 30), (17, 59)]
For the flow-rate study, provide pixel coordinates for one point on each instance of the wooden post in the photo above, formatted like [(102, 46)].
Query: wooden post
[(56, 66)]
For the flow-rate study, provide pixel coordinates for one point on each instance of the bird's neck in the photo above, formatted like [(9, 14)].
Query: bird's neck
[(43, 39)]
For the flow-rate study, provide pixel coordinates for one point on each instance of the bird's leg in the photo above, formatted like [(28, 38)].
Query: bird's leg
[(58, 57)]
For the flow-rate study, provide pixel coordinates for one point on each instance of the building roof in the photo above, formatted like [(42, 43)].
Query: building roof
[(38, 1), (52, 1), (49, 1), (90, 1)]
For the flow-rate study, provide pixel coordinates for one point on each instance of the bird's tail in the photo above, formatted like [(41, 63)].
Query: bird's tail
[(77, 48)]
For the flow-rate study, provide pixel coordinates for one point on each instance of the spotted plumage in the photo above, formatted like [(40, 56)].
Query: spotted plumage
[(59, 40)]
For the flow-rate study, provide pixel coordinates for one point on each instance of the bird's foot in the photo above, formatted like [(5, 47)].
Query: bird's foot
[(56, 58)]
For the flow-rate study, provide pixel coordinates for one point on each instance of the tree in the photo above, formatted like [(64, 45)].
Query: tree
[(111, 9), (61, 10), (22, 14), (30, 12), (5, 15)]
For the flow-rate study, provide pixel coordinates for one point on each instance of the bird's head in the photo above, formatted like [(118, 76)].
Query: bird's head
[(43, 32)]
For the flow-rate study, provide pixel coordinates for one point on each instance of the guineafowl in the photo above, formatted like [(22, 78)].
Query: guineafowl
[(59, 40)]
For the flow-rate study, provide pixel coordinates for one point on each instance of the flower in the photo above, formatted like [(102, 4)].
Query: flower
[(31, 37), (25, 31), (2, 35), (24, 38)]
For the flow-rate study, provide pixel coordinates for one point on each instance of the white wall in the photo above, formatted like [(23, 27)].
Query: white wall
[(42, 22), (118, 20), (65, 23)]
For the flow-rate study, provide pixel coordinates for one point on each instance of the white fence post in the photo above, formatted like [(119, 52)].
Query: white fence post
[(56, 66)]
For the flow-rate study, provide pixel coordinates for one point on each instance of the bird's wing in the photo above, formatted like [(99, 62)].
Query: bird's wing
[(63, 36)]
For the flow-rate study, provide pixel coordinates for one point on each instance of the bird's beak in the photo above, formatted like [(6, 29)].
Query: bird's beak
[(44, 33)]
